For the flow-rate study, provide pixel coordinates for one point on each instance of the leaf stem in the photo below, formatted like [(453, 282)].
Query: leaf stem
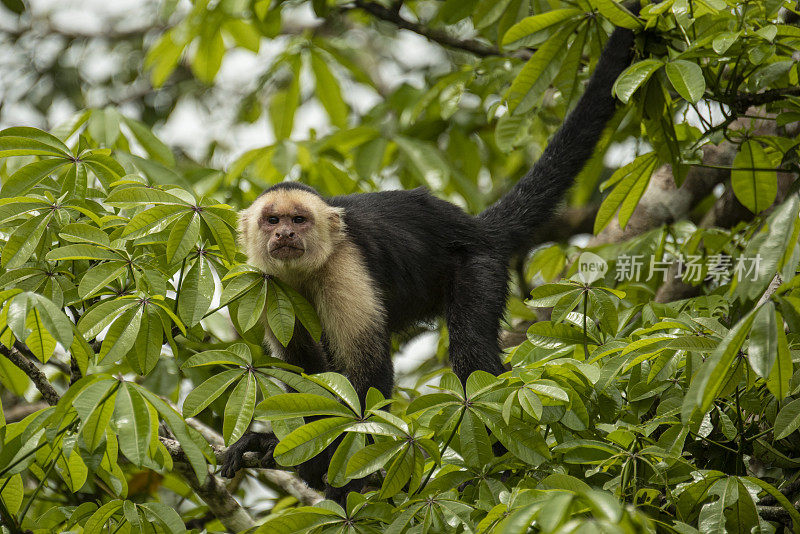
[(739, 423), (444, 448), (178, 286)]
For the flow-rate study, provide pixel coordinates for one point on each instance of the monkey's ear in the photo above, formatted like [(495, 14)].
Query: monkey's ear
[(335, 220), (244, 218)]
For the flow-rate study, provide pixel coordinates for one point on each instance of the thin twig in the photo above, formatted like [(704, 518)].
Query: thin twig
[(436, 35)]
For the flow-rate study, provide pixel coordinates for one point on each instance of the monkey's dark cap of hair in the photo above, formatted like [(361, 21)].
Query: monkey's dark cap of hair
[(292, 185)]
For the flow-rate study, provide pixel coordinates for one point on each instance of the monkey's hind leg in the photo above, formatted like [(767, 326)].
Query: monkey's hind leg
[(366, 363), (475, 305)]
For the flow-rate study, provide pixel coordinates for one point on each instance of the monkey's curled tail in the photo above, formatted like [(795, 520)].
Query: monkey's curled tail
[(511, 220)]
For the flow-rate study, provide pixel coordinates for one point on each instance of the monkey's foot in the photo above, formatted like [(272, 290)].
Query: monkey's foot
[(263, 443)]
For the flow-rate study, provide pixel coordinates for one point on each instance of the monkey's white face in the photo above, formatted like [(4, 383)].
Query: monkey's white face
[(289, 231)]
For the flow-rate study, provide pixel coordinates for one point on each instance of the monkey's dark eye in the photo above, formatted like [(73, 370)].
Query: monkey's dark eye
[(299, 220), (272, 220)]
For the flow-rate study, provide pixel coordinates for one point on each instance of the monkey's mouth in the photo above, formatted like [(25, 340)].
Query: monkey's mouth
[(286, 251)]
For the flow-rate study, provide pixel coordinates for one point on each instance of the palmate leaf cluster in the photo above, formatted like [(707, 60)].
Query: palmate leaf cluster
[(121, 280)]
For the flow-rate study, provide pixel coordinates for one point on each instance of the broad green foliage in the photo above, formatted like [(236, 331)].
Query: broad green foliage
[(121, 279)]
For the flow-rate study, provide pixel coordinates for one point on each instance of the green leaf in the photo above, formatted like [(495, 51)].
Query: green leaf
[(102, 515), (372, 457), (476, 448), (14, 207), (488, 12), (101, 315), (632, 181), (152, 220), (133, 424), (13, 493), (426, 161), (302, 310), (53, 319), (523, 441), (239, 409), (82, 252), (246, 35), (208, 56), (29, 176), (350, 445), (183, 236), (687, 79), (707, 383), (284, 103), (166, 516), (99, 277), (251, 306), (197, 292), (16, 7), (755, 189), (552, 336), (121, 337), (788, 419), (528, 87), (41, 343), (240, 285), (23, 241), (723, 41), (310, 439), (536, 23), (399, 472), (339, 385), (152, 144), (163, 57), (201, 396), (778, 380), (36, 136), (634, 77), (215, 357), (548, 388), (531, 403), (132, 515), (328, 91), (548, 295), (84, 233), (222, 234), (75, 181), (190, 440), (289, 405), (617, 14), (763, 346), (280, 314), (129, 197), (147, 349), (95, 425)]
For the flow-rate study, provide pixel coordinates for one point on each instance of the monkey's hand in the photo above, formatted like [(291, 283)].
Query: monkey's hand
[(260, 442)]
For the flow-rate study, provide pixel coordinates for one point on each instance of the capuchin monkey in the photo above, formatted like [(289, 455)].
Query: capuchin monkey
[(376, 263)]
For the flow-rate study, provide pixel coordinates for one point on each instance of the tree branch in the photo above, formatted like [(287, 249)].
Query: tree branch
[(436, 35), (49, 393), (285, 480), (742, 101), (213, 492)]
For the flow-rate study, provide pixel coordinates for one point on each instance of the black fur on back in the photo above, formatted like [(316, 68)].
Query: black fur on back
[(411, 242)]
